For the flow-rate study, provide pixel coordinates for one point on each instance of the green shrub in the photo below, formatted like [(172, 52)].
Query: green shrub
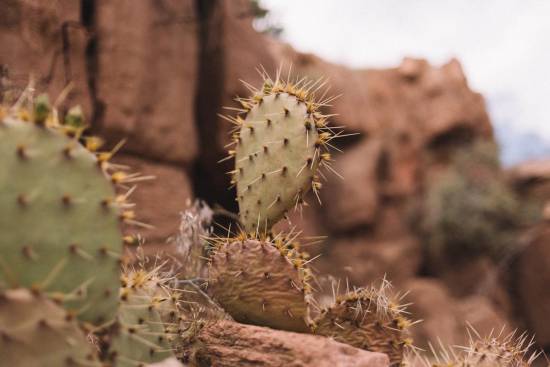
[(470, 210)]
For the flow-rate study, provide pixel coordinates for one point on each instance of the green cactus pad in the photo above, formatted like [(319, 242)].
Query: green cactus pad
[(148, 321), (369, 320), (60, 224), (261, 283), (34, 331), (278, 149)]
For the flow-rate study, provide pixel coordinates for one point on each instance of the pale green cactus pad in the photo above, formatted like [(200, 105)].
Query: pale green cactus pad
[(368, 319), (279, 143), (34, 331), (60, 228), (148, 320), (261, 283)]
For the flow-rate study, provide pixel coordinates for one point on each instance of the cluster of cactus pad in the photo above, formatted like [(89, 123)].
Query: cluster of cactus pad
[(61, 250), (280, 144), (63, 221), (68, 297)]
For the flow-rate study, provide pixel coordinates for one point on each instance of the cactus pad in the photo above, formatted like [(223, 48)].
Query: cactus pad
[(60, 224), (34, 331), (495, 350), (367, 319), (148, 321), (278, 147), (261, 283)]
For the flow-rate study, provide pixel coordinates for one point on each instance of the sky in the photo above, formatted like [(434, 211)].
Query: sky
[(503, 45)]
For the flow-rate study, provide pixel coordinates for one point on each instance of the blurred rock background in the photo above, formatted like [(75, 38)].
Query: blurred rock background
[(424, 201)]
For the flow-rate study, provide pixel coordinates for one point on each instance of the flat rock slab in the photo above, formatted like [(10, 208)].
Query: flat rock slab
[(226, 343)]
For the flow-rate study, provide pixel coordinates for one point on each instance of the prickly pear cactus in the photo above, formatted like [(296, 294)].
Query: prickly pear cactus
[(280, 140), (60, 218), (262, 283), (34, 331), (148, 321), (367, 319), (495, 350)]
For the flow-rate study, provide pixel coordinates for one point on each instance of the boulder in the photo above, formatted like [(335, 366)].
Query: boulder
[(446, 319), (432, 303), (159, 200), (479, 313), (147, 54), (45, 40), (353, 201), (346, 84), (228, 344), (469, 276), (533, 284), (363, 259), (531, 180)]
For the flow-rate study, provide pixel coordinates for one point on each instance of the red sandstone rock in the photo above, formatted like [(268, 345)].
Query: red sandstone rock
[(228, 344), (352, 202), (158, 201), (147, 69), (432, 303), (479, 312), (352, 106), (536, 170), (244, 54), (532, 181), (32, 35), (363, 260), (533, 284), (469, 277), (447, 318)]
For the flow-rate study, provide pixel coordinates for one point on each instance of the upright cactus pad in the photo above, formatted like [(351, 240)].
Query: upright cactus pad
[(148, 320), (262, 283), (367, 319), (34, 331), (280, 140), (60, 223)]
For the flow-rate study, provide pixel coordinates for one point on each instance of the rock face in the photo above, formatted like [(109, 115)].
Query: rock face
[(228, 344), (359, 167), (447, 318), (160, 199), (146, 76), (533, 280), (45, 39), (363, 260), (532, 180)]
